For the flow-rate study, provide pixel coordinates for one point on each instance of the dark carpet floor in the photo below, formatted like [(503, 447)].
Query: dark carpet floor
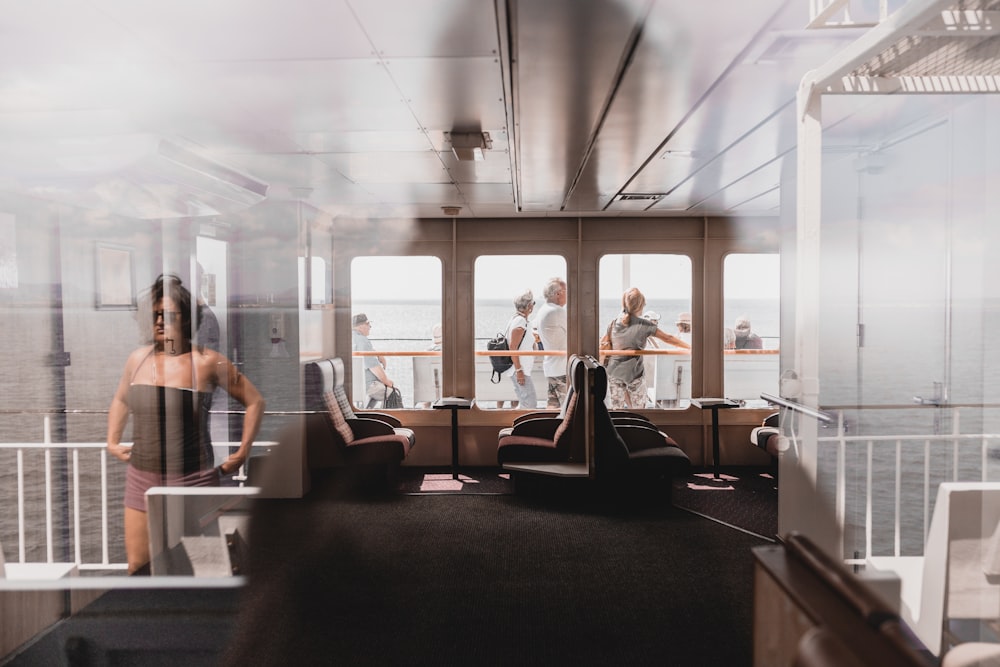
[(492, 580), (439, 578), (745, 498), (441, 481)]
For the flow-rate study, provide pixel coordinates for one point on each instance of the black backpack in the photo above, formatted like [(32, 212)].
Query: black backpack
[(500, 364)]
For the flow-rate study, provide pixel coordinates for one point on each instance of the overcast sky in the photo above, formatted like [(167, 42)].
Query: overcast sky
[(504, 277)]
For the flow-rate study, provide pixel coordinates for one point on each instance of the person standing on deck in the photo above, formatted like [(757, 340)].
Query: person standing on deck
[(551, 324), (377, 382)]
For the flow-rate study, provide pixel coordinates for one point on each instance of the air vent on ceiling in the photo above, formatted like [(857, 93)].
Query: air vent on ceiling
[(640, 197)]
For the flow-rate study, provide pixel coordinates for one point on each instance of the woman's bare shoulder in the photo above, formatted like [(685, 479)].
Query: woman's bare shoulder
[(138, 354), (206, 355)]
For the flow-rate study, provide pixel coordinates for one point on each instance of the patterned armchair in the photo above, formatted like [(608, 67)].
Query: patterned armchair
[(544, 437), (349, 438)]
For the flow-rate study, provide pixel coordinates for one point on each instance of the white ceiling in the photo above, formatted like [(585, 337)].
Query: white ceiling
[(348, 104)]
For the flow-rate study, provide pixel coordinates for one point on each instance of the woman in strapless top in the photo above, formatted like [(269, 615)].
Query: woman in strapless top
[(167, 387)]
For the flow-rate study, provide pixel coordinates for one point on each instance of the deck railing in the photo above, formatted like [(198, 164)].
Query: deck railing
[(747, 373), (75, 450), (927, 462)]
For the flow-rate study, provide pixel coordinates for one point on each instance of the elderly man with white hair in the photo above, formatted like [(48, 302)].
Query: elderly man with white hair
[(552, 332)]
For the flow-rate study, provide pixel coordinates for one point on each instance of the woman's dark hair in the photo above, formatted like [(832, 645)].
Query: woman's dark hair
[(170, 285)]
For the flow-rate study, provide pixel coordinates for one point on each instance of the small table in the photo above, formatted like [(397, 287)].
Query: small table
[(453, 403), (715, 404)]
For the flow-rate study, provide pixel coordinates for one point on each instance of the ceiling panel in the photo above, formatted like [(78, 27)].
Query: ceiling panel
[(364, 141), (567, 54), (495, 168), (447, 93), (417, 193), (413, 168), (198, 31), (347, 103), (429, 28), (486, 193), (670, 72), (741, 191)]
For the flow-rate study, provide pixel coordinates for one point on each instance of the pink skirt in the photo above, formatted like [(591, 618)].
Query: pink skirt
[(137, 482)]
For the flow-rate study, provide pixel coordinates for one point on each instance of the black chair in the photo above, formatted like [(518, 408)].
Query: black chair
[(630, 450), (761, 436)]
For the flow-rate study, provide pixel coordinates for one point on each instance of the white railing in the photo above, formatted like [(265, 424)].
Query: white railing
[(76, 504), (933, 444)]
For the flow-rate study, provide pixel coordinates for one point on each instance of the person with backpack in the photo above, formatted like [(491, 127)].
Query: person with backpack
[(519, 339)]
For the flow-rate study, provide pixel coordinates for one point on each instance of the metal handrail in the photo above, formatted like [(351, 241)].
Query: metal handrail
[(798, 407)]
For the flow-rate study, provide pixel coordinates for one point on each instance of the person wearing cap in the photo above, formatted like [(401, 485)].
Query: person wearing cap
[(436, 336), (745, 338), (684, 326), (376, 379), (552, 336)]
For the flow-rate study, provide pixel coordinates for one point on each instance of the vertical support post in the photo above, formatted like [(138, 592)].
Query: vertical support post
[(799, 467)]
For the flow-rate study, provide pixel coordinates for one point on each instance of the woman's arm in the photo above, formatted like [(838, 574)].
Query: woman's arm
[(673, 340), (516, 336), (243, 390), (118, 411)]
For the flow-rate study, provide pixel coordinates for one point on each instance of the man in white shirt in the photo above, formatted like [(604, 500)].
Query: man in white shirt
[(551, 325)]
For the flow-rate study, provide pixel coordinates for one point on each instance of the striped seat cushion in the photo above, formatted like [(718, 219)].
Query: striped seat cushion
[(570, 409), (336, 417)]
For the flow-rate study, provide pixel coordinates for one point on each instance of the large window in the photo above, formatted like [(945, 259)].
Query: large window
[(403, 325), (665, 282), (500, 281), (751, 334)]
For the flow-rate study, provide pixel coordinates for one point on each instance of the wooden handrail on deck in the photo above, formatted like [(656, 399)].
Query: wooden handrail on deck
[(545, 353)]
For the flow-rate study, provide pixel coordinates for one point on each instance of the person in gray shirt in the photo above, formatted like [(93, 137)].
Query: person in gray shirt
[(629, 331)]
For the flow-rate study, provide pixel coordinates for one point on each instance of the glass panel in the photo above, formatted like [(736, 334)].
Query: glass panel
[(398, 330), (509, 289), (908, 309), (664, 374), (752, 284)]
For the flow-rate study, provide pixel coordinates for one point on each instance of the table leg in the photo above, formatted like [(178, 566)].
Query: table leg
[(454, 443), (715, 441)]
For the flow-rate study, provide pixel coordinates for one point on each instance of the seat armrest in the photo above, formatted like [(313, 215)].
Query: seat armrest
[(380, 416), (625, 414), (534, 415), (638, 438), (543, 427), (632, 421), (368, 428)]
